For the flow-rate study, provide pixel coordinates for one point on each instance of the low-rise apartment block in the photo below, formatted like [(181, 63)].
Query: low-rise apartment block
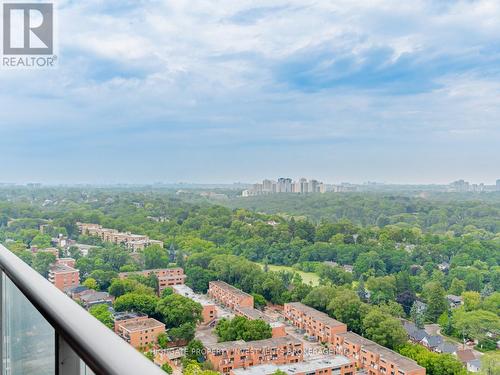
[(278, 328), (228, 295), (209, 312), (374, 358), (132, 241), (315, 323), (127, 317), (140, 333), (231, 355), (167, 277), (63, 276), (337, 365), (70, 262)]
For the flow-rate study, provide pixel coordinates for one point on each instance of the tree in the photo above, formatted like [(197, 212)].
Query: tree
[(167, 292), (417, 315), (348, 308), (167, 368), (336, 275), (144, 303), (472, 300), (361, 291), (162, 340), (198, 278), (457, 287), (120, 287), (195, 350), (42, 262), (369, 263), (434, 363), (241, 328), (41, 241), (382, 289), (405, 294), (102, 313), (320, 297), (392, 308), (91, 283), (492, 303), (259, 300), (155, 257), (384, 330), (175, 310), (103, 278), (475, 324), (184, 333), (193, 368), (436, 301), (490, 363)]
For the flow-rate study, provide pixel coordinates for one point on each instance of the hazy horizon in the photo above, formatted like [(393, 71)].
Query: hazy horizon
[(490, 182)]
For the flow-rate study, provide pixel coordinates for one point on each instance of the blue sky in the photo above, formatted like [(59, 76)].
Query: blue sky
[(232, 90)]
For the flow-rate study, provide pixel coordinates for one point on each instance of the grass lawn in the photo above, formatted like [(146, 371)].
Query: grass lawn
[(307, 277)]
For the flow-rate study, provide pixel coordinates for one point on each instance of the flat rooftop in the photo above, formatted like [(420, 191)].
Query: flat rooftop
[(229, 288), (127, 315), (317, 315), (258, 344), (142, 324), (254, 314), (154, 270), (294, 368), (403, 363), (186, 291), (95, 296), (61, 268)]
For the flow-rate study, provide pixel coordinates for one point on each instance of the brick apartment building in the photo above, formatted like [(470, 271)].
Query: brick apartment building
[(314, 322), (209, 312), (228, 295), (132, 241), (140, 333), (227, 356), (63, 276), (337, 365), (70, 262), (278, 328), (167, 277), (374, 358), (127, 317)]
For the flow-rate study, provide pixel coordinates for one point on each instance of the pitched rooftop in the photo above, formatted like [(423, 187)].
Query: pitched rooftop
[(317, 315), (403, 363), (230, 288)]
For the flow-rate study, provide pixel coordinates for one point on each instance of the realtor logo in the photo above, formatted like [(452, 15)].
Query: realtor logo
[(28, 35), (28, 29)]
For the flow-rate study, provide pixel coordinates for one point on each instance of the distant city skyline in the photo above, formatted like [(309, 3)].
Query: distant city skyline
[(328, 186), (233, 90)]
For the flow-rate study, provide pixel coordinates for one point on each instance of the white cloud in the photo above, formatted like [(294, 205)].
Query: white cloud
[(236, 72)]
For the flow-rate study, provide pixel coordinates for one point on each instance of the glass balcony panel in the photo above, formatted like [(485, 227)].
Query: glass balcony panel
[(28, 340)]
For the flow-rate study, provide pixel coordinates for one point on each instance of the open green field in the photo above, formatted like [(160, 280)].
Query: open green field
[(307, 277)]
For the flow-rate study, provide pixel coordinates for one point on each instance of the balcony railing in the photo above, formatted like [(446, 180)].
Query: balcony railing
[(44, 332)]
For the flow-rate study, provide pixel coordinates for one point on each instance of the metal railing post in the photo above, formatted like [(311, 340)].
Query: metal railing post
[(67, 361)]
